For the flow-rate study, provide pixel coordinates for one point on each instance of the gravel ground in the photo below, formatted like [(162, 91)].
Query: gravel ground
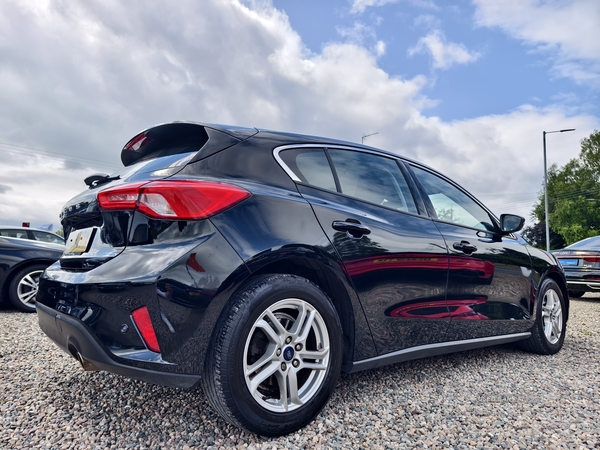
[(498, 397)]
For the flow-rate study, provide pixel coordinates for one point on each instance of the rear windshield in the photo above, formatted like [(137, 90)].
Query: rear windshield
[(592, 243)]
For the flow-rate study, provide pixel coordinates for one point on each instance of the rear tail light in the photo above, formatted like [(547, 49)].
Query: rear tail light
[(592, 259), (141, 318), (174, 199)]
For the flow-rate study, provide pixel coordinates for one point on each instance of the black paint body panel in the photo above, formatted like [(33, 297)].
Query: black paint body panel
[(401, 291)]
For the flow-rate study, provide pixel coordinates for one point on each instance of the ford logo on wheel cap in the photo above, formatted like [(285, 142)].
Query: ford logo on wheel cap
[(288, 353)]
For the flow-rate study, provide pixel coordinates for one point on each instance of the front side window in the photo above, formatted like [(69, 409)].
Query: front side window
[(451, 204), (372, 178)]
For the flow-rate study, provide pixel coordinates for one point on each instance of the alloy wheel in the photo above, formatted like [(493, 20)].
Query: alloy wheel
[(286, 355), (552, 316), (28, 287)]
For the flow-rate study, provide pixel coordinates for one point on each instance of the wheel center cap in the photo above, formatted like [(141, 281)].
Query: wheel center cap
[(288, 353)]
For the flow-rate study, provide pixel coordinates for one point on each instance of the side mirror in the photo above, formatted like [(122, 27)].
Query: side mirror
[(511, 223)]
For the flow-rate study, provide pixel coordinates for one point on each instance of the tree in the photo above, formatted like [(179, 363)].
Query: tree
[(536, 236), (574, 194)]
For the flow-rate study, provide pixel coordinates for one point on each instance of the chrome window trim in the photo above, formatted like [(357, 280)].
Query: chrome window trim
[(294, 177)]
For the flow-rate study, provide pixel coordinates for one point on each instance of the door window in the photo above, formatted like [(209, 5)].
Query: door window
[(451, 204), (372, 178)]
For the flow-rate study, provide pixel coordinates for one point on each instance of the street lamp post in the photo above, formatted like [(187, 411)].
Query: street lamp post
[(546, 185), (366, 136)]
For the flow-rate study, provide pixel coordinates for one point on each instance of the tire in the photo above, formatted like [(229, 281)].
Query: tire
[(550, 327), (275, 356), (576, 294), (24, 286)]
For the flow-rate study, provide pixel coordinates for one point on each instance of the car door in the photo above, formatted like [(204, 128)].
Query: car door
[(489, 286), (392, 251)]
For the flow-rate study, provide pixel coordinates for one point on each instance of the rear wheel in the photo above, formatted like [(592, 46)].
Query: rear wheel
[(276, 357), (548, 332), (576, 294), (24, 287)]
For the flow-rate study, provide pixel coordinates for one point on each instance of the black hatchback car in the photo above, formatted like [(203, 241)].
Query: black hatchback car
[(261, 264)]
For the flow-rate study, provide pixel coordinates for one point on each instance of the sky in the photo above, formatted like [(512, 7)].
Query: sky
[(466, 87)]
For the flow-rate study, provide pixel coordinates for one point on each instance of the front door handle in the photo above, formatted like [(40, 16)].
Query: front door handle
[(465, 247), (351, 226)]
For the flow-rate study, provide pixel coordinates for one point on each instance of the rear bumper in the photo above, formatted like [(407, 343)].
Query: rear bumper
[(583, 286), (75, 338)]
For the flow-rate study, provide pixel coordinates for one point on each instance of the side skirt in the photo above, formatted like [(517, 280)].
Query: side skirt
[(425, 351)]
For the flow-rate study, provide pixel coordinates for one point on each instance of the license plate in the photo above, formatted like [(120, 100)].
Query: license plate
[(568, 262), (79, 241)]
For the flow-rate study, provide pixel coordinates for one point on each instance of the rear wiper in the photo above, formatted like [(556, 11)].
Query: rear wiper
[(97, 179)]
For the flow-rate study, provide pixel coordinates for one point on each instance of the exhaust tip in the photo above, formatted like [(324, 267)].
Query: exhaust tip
[(85, 364)]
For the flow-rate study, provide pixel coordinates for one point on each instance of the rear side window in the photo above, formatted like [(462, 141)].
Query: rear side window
[(21, 234), (311, 166), (372, 178)]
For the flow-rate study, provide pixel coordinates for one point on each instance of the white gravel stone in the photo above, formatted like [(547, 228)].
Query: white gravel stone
[(499, 397)]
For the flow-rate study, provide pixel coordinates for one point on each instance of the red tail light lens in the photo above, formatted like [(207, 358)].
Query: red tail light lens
[(141, 317), (175, 200), (592, 259)]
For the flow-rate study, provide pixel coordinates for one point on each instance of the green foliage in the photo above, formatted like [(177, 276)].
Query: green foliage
[(536, 236), (574, 194)]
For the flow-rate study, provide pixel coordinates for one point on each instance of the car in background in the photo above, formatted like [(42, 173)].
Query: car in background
[(261, 264), (581, 262), (22, 261), (31, 233)]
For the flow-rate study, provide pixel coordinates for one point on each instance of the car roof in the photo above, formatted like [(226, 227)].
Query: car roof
[(32, 244), (8, 227), (284, 137)]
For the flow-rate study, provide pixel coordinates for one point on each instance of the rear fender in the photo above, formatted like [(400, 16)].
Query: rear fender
[(316, 266)]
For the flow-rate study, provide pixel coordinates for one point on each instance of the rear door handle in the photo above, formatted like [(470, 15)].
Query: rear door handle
[(465, 247), (351, 226)]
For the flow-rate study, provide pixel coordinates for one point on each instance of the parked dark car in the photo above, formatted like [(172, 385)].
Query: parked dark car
[(32, 234), (22, 261), (261, 264), (581, 262)]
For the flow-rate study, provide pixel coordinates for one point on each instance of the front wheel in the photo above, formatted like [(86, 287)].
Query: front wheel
[(276, 356), (550, 327)]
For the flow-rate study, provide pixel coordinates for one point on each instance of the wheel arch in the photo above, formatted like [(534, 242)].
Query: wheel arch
[(9, 276), (562, 284), (326, 278)]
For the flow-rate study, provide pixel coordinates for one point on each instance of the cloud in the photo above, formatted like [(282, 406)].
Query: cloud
[(86, 77), (359, 6), (566, 31), (444, 54), (357, 33), (427, 21)]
